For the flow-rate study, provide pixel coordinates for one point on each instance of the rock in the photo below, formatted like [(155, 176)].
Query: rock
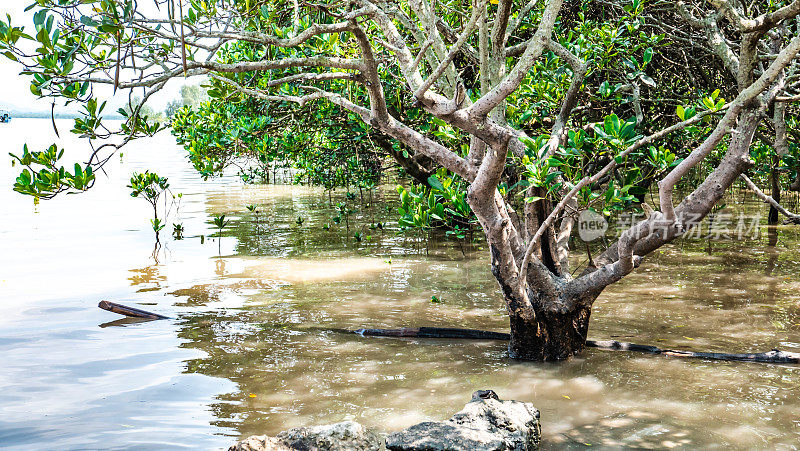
[(343, 436), (259, 443), (486, 423)]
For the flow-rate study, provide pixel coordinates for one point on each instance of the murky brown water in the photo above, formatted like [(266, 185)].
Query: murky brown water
[(251, 351)]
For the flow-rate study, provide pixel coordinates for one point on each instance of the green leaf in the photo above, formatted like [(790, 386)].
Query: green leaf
[(648, 55), (611, 124), (39, 16), (89, 22), (681, 112), (434, 182)]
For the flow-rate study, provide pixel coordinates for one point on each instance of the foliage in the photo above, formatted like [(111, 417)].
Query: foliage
[(42, 178), (440, 205), (178, 231), (220, 221), (637, 80), (221, 134), (150, 187)]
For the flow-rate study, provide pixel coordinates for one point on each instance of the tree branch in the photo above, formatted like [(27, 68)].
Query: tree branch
[(483, 106), (667, 184), (477, 12), (793, 218)]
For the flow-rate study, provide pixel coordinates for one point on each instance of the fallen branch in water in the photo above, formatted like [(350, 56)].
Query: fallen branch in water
[(129, 311), (434, 332), (774, 356)]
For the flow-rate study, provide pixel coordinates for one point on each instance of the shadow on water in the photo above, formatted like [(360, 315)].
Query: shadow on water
[(126, 322)]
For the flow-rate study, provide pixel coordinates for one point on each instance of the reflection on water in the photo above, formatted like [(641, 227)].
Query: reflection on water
[(254, 349)]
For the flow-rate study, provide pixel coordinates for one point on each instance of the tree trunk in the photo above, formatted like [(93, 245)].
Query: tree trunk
[(553, 333), (549, 336), (776, 189)]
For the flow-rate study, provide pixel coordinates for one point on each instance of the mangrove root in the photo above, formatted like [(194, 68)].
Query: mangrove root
[(774, 356), (129, 311)]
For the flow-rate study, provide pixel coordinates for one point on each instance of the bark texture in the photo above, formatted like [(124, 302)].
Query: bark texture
[(550, 335)]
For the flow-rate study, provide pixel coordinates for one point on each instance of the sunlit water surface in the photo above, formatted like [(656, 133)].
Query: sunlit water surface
[(252, 348)]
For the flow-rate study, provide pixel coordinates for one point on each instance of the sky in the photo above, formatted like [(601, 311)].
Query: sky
[(15, 90)]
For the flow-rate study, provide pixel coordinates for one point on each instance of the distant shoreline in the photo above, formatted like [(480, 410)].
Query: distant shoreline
[(15, 115)]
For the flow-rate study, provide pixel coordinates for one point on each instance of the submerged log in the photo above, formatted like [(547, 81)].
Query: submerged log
[(129, 311), (434, 332), (774, 356)]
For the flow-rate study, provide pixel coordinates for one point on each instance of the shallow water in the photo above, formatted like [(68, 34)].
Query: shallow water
[(251, 348)]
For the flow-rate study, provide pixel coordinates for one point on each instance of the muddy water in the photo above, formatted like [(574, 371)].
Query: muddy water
[(251, 346)]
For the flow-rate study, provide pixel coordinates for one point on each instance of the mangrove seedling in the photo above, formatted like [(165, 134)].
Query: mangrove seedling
[(345, 212), (459, 234), (220, 222), (177, 231), (300, 220), (357, 236), (150, 186), (253, 209)]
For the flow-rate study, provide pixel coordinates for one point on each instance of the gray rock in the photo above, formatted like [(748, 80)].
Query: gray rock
[(259, 443), (486, 423), (343, 436)]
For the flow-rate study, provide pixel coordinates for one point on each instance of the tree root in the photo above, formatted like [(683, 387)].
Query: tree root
[(774, 356)]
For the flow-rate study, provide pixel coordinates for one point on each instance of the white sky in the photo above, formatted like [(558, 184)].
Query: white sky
[(15, 89)]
